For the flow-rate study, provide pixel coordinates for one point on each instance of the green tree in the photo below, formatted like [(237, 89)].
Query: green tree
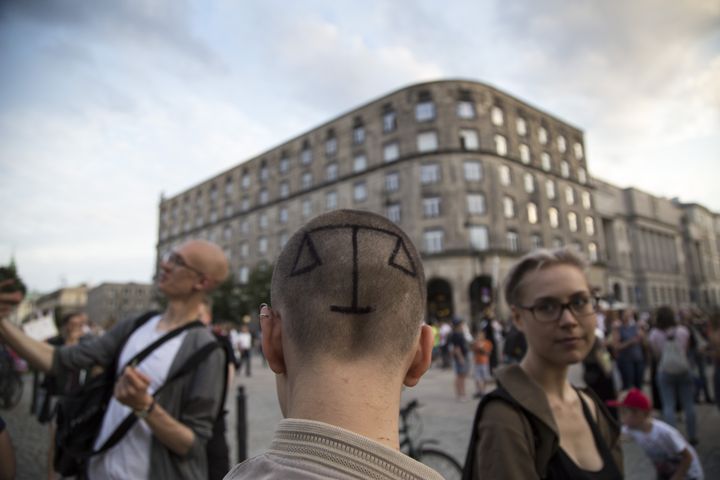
[(232, 300)]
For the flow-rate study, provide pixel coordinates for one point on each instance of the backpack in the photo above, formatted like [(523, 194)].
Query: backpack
[(80, 414), (673, 359)]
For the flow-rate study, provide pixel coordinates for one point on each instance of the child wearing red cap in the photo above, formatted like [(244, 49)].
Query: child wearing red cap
[(673, 456)]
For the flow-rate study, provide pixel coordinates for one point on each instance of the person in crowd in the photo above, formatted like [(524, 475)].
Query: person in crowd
[(481, 349), (218, 454), (168, 441), (445, 331), (669, 343), (627, 340), (598, 372), (666, 448), (73, 329), (487, 325), (244, 346), (7, 454), (536, 424), (515, 345), (460, 352), (714, 349), (696, 324), (344, 333)]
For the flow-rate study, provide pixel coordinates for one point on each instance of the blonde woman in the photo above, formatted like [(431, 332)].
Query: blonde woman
[(536, 424)]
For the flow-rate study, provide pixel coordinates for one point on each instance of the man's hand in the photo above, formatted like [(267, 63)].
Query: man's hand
[(9, 300), (131, 389)]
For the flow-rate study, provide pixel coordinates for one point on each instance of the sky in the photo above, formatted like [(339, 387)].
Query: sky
[(106, 105)]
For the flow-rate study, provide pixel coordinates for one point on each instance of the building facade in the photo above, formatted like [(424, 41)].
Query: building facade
[(474, 176), (62, 301), (111, 302)]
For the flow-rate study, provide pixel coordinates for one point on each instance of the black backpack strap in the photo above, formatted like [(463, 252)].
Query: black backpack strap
[(140, 321), (195, 359)]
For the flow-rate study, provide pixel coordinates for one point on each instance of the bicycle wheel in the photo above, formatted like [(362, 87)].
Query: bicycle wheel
[(442, 463)]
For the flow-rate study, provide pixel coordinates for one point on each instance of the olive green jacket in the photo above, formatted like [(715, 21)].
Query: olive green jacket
[(518, 441)]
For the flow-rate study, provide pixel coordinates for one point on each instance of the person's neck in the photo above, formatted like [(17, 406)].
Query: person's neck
[(178, 313), (552, 378), (359, 399)]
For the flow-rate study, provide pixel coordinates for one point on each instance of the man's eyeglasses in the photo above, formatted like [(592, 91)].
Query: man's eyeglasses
[(174, 259), (550, 310)]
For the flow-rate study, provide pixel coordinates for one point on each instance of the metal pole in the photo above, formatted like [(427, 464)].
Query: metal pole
[(241, 424)]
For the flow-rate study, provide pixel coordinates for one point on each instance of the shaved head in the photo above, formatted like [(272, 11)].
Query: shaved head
[(350, 284), (208, 258)]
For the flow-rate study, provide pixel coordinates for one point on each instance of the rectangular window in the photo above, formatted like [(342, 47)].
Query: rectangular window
[(243, 275), (431, 207), (284, 189), (427, 141), (521, 126), (508, 207), (307, 207), (429, 173), (466, 109), (283, 215), (392, 182), (561, 144), (263, 221), (359, 163), (524, 153), (593, 252), (479, 237), (476, 203), (582, 175), (497, 116), (586, 200), (245, 182), (263, 196), (545, 161), (307, 180), (331, 172), (331, 146), (550, 189), (264, 173), (391, 151), (536, 241), (513, 243), (564, 169), (505, 176), (469, 139), (244, 249), (578, 150), (330, 200), (542, 135), (262, 245), (306, 155), (425, 111), (569, 196), (389, 120), (360, 192), (393, 212), (433, 241), (590, 225), (500, 145), (532, 213), (359, 135), (572, 221), (245, 204), (284, 165), (529, 182), (473, 171)]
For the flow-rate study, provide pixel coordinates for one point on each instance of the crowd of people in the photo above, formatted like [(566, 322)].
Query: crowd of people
[(344, 331)]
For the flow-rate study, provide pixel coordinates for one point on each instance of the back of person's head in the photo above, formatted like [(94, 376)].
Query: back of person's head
[(665, 317), (350, 284), (534, 261)]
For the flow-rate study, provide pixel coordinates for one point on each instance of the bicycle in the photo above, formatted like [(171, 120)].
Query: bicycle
[(11, 384), (417, 449)]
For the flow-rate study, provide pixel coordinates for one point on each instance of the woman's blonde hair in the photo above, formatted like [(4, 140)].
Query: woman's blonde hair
[(537, 260)]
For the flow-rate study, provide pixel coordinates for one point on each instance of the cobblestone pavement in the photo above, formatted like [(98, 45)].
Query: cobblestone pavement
[(443, 419)]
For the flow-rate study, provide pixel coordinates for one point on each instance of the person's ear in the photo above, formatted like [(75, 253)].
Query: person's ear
[(421, 358), (271, 326), (516, 319)]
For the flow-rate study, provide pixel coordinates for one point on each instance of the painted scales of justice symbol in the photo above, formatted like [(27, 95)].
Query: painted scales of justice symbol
[(307, 259)]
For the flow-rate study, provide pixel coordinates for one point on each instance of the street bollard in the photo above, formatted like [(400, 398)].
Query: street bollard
[(241, 424)]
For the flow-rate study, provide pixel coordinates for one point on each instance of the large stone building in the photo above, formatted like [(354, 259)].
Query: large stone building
[(475, 177), (62, 301), (111, 302)]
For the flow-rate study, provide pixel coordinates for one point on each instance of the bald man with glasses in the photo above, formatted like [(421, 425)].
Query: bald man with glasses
[(168, 440)]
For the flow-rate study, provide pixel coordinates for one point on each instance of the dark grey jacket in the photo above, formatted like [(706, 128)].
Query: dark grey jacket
[(193, 399)]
